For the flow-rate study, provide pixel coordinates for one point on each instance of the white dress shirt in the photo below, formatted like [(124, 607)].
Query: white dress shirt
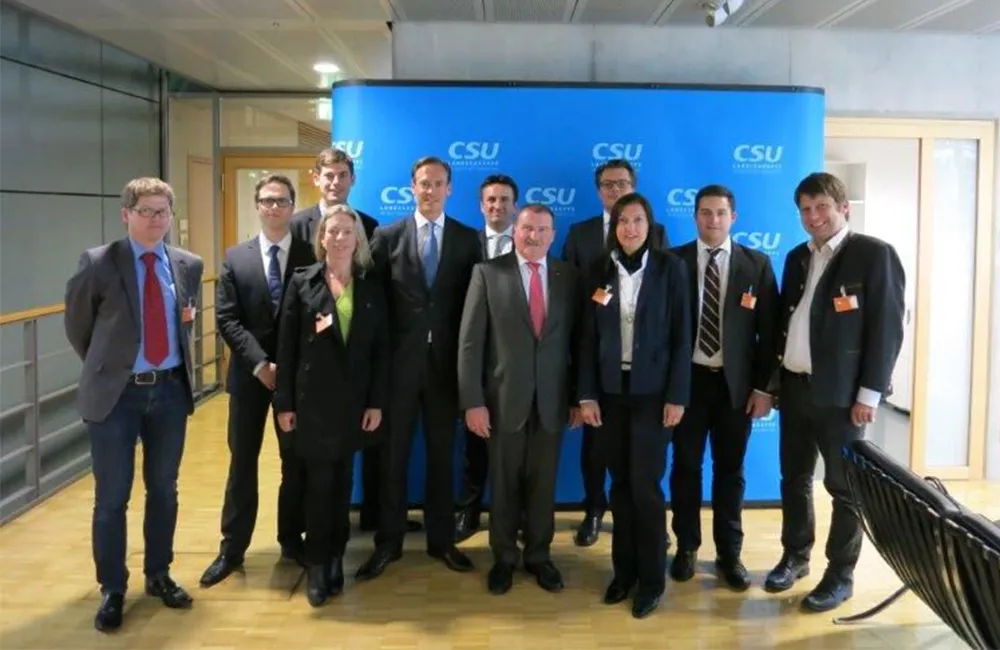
[(265, 257), (607, 224), (798, 354), (628, 297), (722, 262), (522, 265), (506, 241)]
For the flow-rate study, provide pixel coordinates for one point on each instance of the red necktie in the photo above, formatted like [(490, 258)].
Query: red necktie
[(154, 315), (536, 299)]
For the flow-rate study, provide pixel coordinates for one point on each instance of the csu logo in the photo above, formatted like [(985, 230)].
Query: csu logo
[(474, 154), (604, 151), (758, 157), (765, 242), (680, 200), (353, 148), (396, 199), (558, 199)]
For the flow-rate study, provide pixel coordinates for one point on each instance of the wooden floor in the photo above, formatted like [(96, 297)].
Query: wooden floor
[(48, 596)]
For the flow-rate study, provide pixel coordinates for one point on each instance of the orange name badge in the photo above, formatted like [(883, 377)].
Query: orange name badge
[(323, 322), (601, 296), (748, 300), (187, 313), (844, 302)]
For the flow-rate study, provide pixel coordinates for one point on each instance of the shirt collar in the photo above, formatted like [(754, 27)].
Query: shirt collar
[(159, 249), (423, 221), (833, 243), (726, 247), (284, 243), (490, 233), (523, 261), (621, 269), (607, 218)]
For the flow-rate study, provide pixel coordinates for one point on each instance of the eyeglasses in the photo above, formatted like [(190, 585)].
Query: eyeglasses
[(622, 185), (271, 202), (149, 213)]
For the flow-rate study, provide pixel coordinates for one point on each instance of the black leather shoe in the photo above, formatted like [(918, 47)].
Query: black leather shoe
[(467, 522), (335, 581), (500, 578), (783, 576), (589, 530), (682, 566), (109, 614), (453, 558), (645, 604), (317, 588), (169, 592), (293, 553), (831, 591), (377, 562), (219, 570), (734, 573), (547, 576), (617, 592)]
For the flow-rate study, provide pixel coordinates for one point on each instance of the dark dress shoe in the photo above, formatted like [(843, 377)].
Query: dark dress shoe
[(783, 576), (294, 553), (617, 592), (734, 573), (467, 522), (169, 592), (109, 614), (589, 530), (547, 576), (317, 588), (377, 562), (682, 566), (453, 558), (336, 576), (219, 570), (831, 591), (645, 604), (500, 578)]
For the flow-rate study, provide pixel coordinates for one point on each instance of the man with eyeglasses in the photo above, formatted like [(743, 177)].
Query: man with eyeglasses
[(585, 242), (251, 284), (130, 312)]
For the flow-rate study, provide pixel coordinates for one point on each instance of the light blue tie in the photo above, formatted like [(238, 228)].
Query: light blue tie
[(430, 255)]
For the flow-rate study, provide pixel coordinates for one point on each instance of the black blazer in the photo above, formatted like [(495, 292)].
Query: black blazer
[(304, 224), (850, 349), (329, 383), (748, 335), (661, 345), (414, 309), (243, 313), (585, 242)]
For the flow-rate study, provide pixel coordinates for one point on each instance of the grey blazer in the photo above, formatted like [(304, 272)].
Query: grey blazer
[(103, 324), (501, 365)]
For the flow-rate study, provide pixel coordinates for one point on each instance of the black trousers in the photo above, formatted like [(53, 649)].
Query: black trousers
[(805, 430), (327, 508), (523, 468), (371, 486), (634, 442), (247, 416), (594, 468), (710, 415), (438, 411), (475, 468)]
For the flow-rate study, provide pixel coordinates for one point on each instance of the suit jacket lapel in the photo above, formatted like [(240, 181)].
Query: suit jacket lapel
[(125, 261), (740, 274), (557, 295), (689, 253), (321, 302), (178, 268), (256, 269), (515, 288), (410, 235), (650, 277), (447, 245), (484, 242)]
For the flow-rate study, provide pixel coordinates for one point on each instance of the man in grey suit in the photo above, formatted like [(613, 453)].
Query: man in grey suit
[(518, 336), (130, 308)]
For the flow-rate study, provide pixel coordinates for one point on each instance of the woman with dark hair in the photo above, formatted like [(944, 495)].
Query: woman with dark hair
[(332, 383), (635, 373)]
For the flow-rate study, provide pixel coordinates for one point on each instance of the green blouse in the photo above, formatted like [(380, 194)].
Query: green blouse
[(345, 309)]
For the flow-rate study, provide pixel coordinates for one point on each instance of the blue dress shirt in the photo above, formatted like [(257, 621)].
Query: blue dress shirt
[(165, 276)]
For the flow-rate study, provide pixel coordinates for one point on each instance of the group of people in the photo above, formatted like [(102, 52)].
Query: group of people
[(351, 333)]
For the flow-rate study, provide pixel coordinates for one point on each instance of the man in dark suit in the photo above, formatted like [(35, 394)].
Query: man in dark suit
[(585, 242), (130, 309), (515, 366), (426, 261), (734, 301), (842, 328), (333, 175), (254, 275), (498, 196)]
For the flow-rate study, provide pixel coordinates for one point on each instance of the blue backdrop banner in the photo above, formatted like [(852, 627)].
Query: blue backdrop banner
[(758, 141)]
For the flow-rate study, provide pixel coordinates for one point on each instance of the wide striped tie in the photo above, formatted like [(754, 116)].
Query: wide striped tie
[(709, 327)]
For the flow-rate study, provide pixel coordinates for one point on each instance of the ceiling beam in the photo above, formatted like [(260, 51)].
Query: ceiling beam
[(843, 13), (343, 53), (663, 12), (946, 8), (479, 8), (396, 9), (747, 16), (988, 28)]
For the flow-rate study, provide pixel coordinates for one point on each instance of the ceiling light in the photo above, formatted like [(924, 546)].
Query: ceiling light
[(326, 68)]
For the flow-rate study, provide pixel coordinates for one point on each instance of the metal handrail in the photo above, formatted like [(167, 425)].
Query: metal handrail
[(38, 486)]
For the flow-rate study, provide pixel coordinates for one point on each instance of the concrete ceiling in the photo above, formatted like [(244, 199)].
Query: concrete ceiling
[(273, 44)]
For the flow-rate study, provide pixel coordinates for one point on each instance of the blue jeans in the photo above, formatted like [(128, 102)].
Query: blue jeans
[(157, 415)]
